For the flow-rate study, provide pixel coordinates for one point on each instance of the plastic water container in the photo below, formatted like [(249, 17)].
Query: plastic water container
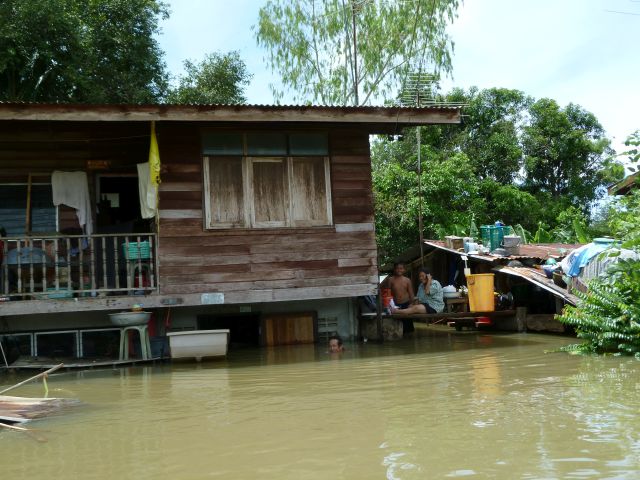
[(497, 234), (485, 234), (480, 287)]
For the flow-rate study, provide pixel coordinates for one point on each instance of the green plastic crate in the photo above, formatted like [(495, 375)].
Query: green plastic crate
[(137, 250)]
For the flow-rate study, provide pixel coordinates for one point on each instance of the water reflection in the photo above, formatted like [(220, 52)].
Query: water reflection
[(442, 404)]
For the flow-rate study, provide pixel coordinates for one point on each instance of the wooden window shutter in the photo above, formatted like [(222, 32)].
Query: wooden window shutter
[(225, 192), (310, 191)]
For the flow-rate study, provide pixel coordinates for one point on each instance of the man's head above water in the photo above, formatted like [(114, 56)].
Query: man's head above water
[(335, 344)]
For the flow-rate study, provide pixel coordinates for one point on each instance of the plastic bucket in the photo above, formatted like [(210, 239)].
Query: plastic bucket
[(480, 287)]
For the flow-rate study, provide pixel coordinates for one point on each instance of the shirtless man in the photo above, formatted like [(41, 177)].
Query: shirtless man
[(401, 287)]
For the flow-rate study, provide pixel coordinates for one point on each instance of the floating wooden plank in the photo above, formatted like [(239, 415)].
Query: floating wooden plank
[(21, 409)]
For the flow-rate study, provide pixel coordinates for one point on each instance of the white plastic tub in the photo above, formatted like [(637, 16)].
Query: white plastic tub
[(198, 344)]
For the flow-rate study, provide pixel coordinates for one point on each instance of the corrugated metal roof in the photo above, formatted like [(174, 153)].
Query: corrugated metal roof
[(529, 252), (434, 106), (377, 119), (538, 278), (540, 251), (372, 119)]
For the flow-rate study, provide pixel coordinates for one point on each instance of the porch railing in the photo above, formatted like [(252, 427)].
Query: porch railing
[(67, 266)]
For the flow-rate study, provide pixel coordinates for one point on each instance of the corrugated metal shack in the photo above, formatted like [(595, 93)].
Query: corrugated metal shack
[(521, 275)]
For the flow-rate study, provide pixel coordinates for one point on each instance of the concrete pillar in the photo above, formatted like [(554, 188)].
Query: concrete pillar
[(521, 319)]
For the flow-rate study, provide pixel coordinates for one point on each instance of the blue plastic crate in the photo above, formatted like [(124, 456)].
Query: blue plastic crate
[(137, 250)]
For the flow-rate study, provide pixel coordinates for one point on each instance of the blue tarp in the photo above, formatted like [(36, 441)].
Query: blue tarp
[(581, 257)]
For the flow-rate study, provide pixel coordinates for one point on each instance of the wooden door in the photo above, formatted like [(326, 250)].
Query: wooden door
[(288, 328)]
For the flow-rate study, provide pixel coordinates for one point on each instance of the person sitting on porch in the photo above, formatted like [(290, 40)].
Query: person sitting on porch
[(401, 287), (430, 298)]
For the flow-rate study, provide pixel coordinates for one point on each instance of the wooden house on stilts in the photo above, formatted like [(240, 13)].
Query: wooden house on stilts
[(262, 223)]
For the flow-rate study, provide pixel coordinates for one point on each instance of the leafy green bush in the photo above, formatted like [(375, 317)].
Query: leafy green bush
[(607, 317), (572, 227)]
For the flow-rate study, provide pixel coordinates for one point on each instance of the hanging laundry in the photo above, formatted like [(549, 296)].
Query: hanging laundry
[(72, 189), (148, 192)]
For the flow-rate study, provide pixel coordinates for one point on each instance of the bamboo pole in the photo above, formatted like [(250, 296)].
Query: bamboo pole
[(4, 357), (27, 431), (35, 377), (13, 427)]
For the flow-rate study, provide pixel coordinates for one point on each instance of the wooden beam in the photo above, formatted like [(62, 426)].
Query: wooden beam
[(354, 227), (431, 316), (28, 307)]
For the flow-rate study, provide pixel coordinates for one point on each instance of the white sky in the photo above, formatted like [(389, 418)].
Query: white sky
[(569, 50)]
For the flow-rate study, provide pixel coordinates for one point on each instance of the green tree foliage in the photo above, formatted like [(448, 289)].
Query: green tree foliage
[(548, 197), (564, 152), (572, 226), (348, 52), (448, 185), (218, 79), (508, 203), (490, 137), (90, 51), (633, 153)]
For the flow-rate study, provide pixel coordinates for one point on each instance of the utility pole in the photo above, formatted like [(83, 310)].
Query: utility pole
[(355, 53), (418, 139)]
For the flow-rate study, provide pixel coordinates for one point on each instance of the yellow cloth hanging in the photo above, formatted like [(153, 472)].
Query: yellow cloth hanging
[(154, 157)]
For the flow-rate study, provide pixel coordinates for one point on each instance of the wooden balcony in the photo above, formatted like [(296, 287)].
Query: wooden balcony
[(74, 266)]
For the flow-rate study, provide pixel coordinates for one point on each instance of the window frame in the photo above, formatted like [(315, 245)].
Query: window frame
[(248, 194)]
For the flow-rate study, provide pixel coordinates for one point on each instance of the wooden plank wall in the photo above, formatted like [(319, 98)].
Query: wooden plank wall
[(33, 147), (262, 265), (247, 265)]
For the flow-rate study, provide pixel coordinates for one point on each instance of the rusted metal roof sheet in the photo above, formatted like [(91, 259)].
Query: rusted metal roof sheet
[(535, 252), (538, 278), (373, 116), (540, 251)]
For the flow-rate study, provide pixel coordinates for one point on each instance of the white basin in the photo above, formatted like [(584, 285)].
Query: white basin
[(129, 319), (198, 343)]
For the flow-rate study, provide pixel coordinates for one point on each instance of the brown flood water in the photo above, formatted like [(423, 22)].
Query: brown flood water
[(440, 405)]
